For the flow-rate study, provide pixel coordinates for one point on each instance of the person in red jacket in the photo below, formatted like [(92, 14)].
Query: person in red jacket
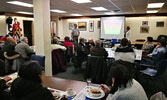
[(67, 42)]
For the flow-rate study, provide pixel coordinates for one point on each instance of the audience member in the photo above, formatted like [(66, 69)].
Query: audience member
[(125, 53), (9, 48), (55, 45), (123, 87), (148, 45), (82, 52), (75, 34), (89, 44), (4, 38), (160, 48), (4, 83), (23, 48), (97, 50), (69, 52), (28, 85), (67, 42)]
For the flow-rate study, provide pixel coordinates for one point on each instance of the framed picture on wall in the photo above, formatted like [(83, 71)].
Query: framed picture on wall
[(71, 25), (82, 26), (160, 24), (91, 26), (98, 24), (144, 29), (144, 22)]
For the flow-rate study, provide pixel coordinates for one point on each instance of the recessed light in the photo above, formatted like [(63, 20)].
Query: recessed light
[(152, 11), (82, 1), (155, 5), (20, 3), (109, 13), (76, 15), (22, 12), (99, 8), (58, 11)]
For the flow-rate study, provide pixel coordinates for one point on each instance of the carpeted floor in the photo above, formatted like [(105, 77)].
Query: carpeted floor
[(71, 73)]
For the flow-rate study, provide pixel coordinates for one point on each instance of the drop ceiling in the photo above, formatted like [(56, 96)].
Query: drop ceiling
[(119, 6)]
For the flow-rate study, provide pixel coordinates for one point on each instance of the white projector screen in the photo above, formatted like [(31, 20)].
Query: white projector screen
[(112, 27)]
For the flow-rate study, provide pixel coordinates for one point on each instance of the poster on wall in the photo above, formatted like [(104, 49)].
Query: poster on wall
[(71, 25), (144, 22), (144, 29), (91, 26), (98, 24), (82, 26), (160, 24)]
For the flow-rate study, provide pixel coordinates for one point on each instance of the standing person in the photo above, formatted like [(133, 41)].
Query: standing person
[(75, 34), (127, 33)]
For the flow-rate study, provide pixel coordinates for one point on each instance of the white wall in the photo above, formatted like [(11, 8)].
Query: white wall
[(133, 22), (136, 22), (85, 34), (3, 24)]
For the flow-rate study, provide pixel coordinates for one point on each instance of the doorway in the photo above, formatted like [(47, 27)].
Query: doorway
[(27, 25)]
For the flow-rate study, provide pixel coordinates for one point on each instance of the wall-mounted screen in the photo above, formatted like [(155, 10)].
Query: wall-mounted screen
[(112, 27)]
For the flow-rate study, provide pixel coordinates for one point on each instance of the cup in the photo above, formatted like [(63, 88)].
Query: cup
[(70, 91), (88, 83)]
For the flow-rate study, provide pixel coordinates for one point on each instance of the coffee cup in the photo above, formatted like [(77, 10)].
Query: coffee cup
[(70, 91)]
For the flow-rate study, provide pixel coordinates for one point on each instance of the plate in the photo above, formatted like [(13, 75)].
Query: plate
[(88, 94), (74, 94)]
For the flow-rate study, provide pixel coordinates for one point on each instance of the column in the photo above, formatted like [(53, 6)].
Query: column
[(42, 35)]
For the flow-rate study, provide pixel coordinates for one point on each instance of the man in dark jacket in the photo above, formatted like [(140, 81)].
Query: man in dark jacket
[(82, 52)]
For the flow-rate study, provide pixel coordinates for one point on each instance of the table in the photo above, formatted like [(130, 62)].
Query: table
[(62, 84), (142, 42), (111, 53)]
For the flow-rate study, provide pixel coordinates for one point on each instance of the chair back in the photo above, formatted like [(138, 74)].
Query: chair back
[(58, 63), (96, 69), (162, 69), (40, 59)]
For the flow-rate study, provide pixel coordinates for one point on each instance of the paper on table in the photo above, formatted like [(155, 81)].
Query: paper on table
[(56, 91)]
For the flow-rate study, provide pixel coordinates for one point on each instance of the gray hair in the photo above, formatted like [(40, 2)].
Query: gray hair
[(97, 43), (24, 38)]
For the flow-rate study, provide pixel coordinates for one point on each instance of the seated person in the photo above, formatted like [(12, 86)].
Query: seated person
[(23, 48), (160, 48), (67, 42), (82, 53), (97, 50), (4, 38), (148, 45), (55, 45), (89, 44), (28, 85), (3, 85), (9, 48), (123, 86), (69, 45), (125, 53)]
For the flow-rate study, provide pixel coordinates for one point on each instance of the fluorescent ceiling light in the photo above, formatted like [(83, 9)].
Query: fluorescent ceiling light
[(109, 13), (155, 5), (76, 15), (58, 11), (152, 11), (81, 1), (20, 3), (22, 12), (99, 8)]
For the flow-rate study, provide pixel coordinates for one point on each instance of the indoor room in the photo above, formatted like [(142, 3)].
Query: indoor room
[(83, 50)]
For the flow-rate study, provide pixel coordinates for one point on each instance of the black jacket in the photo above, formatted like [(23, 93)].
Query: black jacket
[(4, 95), (28, 90)]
